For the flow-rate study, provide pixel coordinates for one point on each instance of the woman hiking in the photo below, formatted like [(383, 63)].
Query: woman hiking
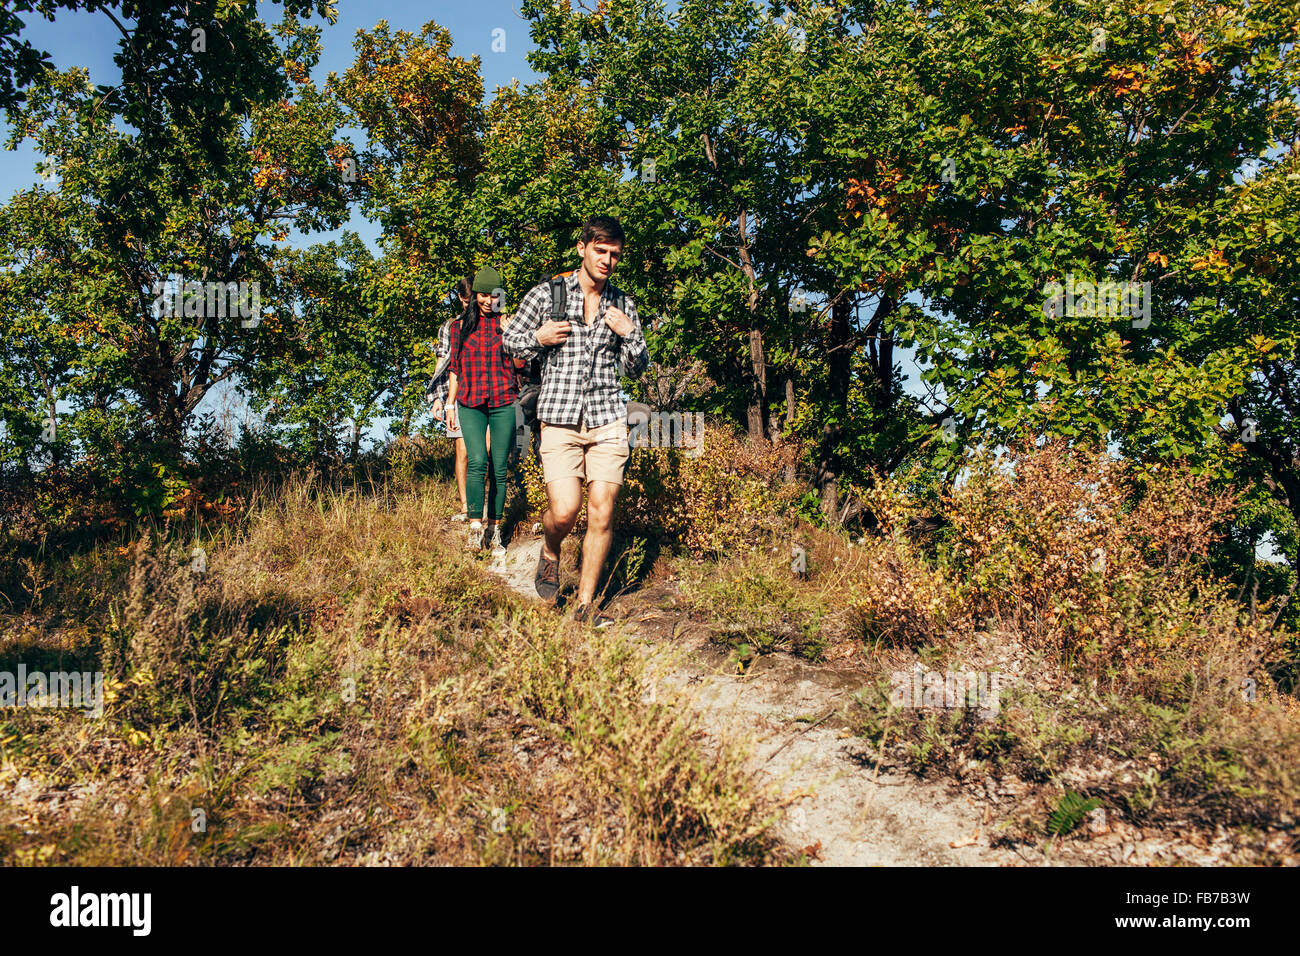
[(481, 392)]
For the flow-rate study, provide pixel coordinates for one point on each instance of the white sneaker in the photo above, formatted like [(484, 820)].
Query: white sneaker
[(463, 516), (498, 546), (474, 537)]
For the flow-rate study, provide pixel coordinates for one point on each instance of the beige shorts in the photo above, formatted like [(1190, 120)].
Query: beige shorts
[(594, 454)]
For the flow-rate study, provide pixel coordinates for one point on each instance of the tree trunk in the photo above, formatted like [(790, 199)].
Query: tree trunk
[(171, 432), (828, 467), (841, 353), (789, 420), (758, 386), (881, 351), (830, 496), (157, 387), (757, 374), (52, 421)]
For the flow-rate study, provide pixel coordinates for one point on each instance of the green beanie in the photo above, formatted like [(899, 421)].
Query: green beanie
[(487, 280)]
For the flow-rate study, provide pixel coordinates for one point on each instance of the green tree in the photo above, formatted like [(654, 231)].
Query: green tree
[(321, 387), (170, 187), (1030, 148), (707, 185), (421, 110)]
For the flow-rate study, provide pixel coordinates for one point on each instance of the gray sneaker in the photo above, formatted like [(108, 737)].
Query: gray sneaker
[(498, 546)]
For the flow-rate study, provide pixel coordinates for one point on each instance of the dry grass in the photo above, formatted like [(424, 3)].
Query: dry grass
[(340, 684)]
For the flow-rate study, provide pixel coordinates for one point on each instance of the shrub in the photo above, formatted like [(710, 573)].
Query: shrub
[(1138, 673), (895, 597), (1075, 551)]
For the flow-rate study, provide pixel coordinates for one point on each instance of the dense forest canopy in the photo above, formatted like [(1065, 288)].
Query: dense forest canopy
[(1081, 218)]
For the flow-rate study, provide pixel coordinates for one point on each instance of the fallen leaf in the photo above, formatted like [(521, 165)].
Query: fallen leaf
[(969, 841)]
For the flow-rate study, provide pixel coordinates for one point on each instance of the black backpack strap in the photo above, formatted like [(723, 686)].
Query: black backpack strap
[(559, 299)]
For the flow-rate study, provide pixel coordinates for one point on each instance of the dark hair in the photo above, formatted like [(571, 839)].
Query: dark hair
[(604, 228), (463, 288), (469, 318), (468, 322)]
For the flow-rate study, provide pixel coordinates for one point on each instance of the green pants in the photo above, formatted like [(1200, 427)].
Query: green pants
[(474, 425)]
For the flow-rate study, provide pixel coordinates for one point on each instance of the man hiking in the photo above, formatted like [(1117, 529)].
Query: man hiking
[(585, 331)]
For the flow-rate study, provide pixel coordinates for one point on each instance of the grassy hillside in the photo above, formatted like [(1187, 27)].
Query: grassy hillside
[(330, 678), (341, 684)]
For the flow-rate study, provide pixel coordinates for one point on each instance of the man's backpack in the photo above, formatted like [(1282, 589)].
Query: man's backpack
[(530, 379), (560, 296)]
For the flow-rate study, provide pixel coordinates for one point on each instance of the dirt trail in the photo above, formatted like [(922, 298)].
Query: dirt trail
[(790, 712), (854, 813)]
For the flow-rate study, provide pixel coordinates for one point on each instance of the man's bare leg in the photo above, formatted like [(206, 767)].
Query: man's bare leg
[(601, 496), (564, 501)]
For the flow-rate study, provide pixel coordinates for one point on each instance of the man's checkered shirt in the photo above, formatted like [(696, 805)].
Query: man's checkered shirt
[(438, 385), (580, 375)]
